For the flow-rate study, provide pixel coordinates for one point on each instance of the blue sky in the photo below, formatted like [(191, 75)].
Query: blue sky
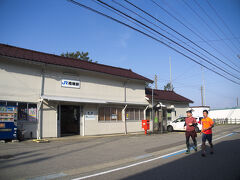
[(58, 26)]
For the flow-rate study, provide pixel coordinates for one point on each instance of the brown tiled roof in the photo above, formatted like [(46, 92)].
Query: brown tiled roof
[(166, 95), (16, 52)]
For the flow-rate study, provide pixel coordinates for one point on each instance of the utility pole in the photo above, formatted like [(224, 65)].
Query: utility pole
[(156, 81), (237, 101), (202, 95), (170, 66), (203, 89), (152, 103)]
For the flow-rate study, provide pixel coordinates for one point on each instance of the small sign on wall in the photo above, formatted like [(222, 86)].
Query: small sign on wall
[(127, 116), (114, 116), (70, 83), (90, 115)]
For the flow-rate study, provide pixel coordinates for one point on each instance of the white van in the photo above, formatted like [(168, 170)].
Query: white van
[(178, 124)]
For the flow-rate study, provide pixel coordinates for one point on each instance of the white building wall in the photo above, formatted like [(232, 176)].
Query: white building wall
[(21, 81), (49, 119), (94, 86), (180, 110), (198, 111), (225, 113)]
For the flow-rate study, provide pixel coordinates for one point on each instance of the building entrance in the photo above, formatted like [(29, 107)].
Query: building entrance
[(70, 120)]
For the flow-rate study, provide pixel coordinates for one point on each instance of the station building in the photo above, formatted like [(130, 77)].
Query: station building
[(57, 96)]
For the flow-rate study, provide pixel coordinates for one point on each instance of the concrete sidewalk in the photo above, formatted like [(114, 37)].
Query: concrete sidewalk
[(78, 137)]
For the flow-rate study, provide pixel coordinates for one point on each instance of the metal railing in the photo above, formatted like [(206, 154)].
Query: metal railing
[(227, 121)]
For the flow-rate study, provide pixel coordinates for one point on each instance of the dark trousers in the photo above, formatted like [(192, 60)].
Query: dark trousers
[(193, 135), (206, 137)]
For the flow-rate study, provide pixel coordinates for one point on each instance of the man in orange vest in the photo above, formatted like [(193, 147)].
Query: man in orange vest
[(207, 125)]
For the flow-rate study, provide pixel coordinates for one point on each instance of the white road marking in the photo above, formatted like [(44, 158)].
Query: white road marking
[(142, 162), (48, 177), (143, 156)]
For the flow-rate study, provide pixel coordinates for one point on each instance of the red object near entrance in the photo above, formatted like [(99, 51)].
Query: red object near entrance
[(145, 125)]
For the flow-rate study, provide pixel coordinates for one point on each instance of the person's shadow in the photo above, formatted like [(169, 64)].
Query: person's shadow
[(224, 164)]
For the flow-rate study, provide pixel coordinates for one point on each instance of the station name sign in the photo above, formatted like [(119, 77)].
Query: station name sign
[(70, 83)]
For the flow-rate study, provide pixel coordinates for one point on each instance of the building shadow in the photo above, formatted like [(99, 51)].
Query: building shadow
[(39, 157), (224, 164)]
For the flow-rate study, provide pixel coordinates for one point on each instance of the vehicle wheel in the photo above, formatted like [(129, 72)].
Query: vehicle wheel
[(170, 129), (197, 129)]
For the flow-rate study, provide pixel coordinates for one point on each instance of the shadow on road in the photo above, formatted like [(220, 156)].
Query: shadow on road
[(38, 157), (224, 164)]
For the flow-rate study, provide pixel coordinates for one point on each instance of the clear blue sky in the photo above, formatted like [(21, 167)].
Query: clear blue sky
[(58, 26)]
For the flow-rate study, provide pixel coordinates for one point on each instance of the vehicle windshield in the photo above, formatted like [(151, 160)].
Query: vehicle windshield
[(181, 119)]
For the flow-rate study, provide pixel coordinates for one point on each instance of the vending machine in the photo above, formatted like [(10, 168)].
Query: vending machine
[(8, 122)]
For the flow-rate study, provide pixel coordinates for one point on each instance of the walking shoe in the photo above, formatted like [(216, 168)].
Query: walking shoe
[(195, 148), (203, 155), (187, 152), (211, 152)]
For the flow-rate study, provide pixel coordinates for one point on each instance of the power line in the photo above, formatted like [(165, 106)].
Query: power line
[(225, 24), (209, 17), (199, 34), (127, 19), (131, 27), (204, 22), (159, 28), (166, 36), (158, 5), (145, 19), (223, 39)]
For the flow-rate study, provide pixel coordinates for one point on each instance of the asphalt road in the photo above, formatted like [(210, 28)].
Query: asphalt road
[(123, 157), (224, 164)]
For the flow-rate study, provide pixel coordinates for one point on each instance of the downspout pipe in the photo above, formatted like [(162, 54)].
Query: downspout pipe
[(83, 125), (145, 117), (125, 122), (40, 107), (124, 109), (39, 117)]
